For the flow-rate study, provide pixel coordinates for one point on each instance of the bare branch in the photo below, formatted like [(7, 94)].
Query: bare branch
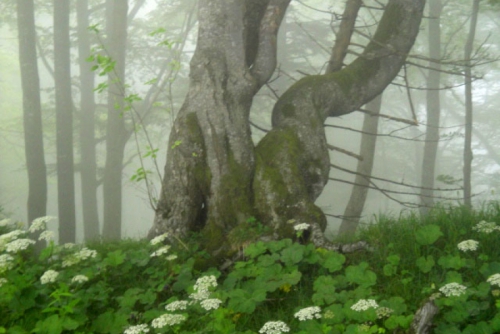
[(265, 60)]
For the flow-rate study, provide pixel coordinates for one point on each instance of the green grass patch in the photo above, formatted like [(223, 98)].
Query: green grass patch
[(136, 286)]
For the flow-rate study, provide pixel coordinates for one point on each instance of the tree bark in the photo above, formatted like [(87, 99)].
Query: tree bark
[(88, 165), (433, 108), (354, 208), (468, 155), (32, 113), (64, 124), (214, 179), (116, 134)]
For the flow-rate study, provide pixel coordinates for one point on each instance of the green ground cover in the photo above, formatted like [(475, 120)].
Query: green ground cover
[(135, 286)]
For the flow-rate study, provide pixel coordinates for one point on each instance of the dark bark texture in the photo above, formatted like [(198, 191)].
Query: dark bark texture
[(32, 113), (214, 177), (64, 124)]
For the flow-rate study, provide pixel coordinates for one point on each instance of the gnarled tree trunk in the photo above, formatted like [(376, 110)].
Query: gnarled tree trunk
[(214, 178)]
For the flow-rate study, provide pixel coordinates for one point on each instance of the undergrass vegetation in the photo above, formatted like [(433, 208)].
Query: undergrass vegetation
[(451, 257)]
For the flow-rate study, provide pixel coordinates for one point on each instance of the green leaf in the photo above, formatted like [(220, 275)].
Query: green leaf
[(425, 264), (114, 259), (50, 325), (324, 287), (293, 254), (361, 275), (256, 249), (333, 261), (243, 301), (452, 262), (428, 234)]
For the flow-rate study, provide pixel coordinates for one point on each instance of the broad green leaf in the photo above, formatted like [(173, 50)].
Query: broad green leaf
[(428, 234), (333, 261), (114, 259), (361, 275), (425, 264), (451, 262), (324, 287)]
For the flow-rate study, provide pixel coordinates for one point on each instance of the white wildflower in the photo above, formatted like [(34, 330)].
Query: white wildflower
[(49, 276), (39, 224), (81, 255), (301, 227), (494, 279), (6, 262), (158, 239), (308, 313), (12, 235), (486, 227), (138, 329), (202, 286), (161, 251), (68, 245), (468, 245), (18, 245), (200, 295), (453, 289), (2, 281), (168, 319), (171, 257), (205, 282), (46, 235), (177, 305), (384, 312), (79, 279), (274, 327), (4, 222), (364, 304), (210, 304)]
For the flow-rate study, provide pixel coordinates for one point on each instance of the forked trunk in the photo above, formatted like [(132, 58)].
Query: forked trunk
[(214, 178)]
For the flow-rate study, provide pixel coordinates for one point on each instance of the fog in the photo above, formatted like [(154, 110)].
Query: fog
[(305, 41)]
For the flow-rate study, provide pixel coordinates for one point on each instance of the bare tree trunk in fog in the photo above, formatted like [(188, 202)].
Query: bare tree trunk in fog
[(433, 108), (354, 208), (32, 113), (64, 124), (88, 165), (116, 135), (468, 105)]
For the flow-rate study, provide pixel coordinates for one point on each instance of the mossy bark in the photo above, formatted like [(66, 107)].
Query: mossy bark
[(214, 178)]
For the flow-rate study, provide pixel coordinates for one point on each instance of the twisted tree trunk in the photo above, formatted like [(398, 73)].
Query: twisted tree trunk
[(214, 178)]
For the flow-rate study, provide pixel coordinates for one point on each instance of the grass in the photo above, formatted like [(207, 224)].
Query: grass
[(126, 290)]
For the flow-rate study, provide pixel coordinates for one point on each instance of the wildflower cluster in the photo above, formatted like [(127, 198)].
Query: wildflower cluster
[(274, 327), (40, 224), (453, 289), (49, 276), (177, 305), (364, 304), (4, 222), (468, 245), (384, 312), (202, 287), (308, 313), (6, 262), (486, 227), (168, 319), (301, 227), (161, 251), (139, 329), (82, 255), (159, 239), (79, 279), (494, 279)]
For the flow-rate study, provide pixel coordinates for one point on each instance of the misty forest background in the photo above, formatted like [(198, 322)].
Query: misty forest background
[(103, 162)]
